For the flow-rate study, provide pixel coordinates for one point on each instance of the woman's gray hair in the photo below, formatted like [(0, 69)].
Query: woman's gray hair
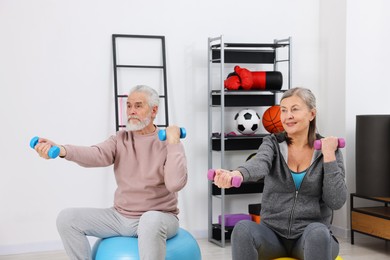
[(153, 97), (310, 100)]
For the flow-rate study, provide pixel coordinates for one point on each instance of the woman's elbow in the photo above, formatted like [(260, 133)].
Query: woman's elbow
[(338, 201)]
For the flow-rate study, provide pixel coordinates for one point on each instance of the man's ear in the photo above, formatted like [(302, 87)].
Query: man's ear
[(154, 111)]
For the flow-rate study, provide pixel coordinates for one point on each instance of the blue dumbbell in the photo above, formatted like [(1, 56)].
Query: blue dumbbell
[(162, 134), (54, 151)]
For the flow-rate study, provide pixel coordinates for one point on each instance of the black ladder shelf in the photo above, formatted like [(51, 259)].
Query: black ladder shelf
[(117, 66)]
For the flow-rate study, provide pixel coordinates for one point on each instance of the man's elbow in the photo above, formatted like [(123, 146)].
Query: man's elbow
[(176, 185)]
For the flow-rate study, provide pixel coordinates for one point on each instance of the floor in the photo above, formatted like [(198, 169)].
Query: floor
[(365, 248)]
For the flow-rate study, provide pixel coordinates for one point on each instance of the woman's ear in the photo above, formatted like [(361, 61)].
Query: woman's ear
[(313, 114)]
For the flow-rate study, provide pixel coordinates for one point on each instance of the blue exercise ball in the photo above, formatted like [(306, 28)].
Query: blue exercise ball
[(182, 246)]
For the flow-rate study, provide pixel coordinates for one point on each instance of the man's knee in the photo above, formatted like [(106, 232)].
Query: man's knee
[(65, 219), (151, 224), (157, 224), (151, 219)]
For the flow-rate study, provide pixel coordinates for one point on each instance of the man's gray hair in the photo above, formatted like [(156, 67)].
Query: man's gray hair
[(153, 97)]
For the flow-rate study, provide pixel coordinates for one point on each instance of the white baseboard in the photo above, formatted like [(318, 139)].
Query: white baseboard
[(341, 232), (36, 247), (199, 234), (31, 248)]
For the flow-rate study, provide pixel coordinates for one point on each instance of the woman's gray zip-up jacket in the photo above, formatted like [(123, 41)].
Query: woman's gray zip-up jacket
[(283, 208)]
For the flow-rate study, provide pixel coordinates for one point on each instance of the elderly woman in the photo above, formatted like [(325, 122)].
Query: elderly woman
[(302, 187)]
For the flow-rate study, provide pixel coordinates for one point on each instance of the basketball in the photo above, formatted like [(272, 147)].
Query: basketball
[(271, 120)]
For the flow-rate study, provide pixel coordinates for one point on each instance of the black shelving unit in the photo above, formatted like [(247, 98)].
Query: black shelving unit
[(221, 54)]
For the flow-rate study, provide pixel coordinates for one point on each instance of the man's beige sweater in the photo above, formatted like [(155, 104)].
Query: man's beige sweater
[(148, 172)]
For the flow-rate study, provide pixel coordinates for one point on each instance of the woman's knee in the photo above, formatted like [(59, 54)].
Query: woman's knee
[(242, 230), (318, 239), (317, 232)]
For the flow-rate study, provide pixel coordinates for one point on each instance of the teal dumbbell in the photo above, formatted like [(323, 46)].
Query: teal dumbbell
[(54, 151), (162, 134)]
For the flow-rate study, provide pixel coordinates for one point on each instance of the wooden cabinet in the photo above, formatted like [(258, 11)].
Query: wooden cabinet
[(373, 221)]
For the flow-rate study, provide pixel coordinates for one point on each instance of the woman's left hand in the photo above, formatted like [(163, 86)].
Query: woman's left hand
[(328, 146)]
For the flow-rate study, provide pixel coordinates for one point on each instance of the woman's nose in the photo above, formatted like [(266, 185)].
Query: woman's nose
[(289, 114)]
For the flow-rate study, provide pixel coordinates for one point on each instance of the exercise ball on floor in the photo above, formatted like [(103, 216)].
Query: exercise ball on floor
[(181, 246)]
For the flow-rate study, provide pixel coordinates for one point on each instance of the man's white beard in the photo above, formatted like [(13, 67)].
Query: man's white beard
[(139, 125)]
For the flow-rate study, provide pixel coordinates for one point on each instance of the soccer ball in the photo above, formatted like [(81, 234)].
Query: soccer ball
[(247, 121)]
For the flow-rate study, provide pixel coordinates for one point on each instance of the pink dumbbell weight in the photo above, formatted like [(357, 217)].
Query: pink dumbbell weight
[(318, 144), (236, 181)]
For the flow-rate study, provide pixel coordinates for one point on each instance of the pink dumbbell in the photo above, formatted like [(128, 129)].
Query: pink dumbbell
[(236, 181), (318, 145)]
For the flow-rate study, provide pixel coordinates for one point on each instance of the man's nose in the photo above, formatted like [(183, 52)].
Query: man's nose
[(131, 111)]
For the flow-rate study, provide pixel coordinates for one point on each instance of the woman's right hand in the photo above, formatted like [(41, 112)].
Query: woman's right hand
[(223, 178)]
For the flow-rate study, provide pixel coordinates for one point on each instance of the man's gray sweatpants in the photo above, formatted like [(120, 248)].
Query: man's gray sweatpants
[(153, 228)]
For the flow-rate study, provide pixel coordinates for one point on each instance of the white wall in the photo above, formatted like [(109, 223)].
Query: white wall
[(331, 98), (367, 54), (353, 71), (56, 81)]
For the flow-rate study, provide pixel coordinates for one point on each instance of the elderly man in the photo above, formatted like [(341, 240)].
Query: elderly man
[(149, 173)]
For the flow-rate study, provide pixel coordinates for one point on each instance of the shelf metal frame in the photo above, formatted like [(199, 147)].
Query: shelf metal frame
[(217, 51)]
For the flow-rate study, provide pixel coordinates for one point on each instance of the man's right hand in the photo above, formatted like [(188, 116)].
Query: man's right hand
[(43, 146)]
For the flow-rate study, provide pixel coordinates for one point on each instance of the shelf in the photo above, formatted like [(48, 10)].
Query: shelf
[(378, 199), (246, 53), (221, 56), (244, 98), (380, 212), (245, 188), (241, 46), (217, 232), (235, 143), (372, 221)]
